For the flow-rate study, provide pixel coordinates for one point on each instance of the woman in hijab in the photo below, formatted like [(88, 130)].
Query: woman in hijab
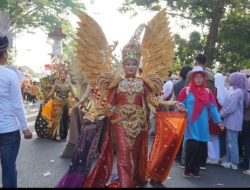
[(214, 143), (199, 101), (232, 113)]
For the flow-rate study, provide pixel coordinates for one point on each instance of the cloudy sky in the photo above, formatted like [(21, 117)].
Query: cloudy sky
[(33, 48)]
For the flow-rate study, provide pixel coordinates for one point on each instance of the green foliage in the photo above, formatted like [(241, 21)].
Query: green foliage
[(45, 14), (186, 50), (232, 43), (198, 11), (127, 6), (69, 44), (40, 13)]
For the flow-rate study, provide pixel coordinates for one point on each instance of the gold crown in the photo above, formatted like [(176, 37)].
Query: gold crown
[(60, 68), (132, 49)]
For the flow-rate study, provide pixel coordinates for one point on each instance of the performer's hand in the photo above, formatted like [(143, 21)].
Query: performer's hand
[(27, 134), (180, 107), (222, 128)]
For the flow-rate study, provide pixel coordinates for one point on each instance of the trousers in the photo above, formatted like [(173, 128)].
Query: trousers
[(9, 147)]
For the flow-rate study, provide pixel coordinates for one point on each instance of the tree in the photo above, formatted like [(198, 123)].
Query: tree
[(69, 44), (45, 14), (234, 41), (40, 13), (209, 13), (186, 50)]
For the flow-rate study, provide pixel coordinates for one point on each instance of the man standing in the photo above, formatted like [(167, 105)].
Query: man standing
[(11, 112), (178, 86)]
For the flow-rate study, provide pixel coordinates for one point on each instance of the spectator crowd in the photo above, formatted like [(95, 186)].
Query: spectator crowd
[(218, 121)]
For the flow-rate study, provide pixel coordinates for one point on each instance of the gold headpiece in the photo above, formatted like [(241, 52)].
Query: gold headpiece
[(59, 68), (132, 49)]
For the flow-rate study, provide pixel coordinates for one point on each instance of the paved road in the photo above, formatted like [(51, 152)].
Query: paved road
[(39, 156)]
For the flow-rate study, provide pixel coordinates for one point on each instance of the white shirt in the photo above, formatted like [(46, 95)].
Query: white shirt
[(12, 116), (168, 88)]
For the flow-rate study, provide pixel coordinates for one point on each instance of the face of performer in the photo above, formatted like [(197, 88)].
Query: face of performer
[(63, 75), (130, 67), (198, 79)]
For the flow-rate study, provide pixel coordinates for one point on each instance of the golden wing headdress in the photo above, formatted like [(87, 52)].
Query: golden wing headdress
[(157, 50), (93, 51)]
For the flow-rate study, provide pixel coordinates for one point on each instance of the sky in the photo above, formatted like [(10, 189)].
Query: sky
[(33, 48)]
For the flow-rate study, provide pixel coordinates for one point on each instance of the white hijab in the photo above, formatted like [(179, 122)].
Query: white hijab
[(219, 83)]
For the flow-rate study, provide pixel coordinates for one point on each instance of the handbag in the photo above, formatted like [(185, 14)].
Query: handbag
[(169, 133), (41, 125)]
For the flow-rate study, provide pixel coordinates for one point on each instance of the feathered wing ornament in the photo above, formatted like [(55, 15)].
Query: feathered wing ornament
[(93, 51), (95, 60), (157, 50), (6, 32)]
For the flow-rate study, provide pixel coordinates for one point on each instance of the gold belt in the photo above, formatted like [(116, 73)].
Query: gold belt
[(132, 118)]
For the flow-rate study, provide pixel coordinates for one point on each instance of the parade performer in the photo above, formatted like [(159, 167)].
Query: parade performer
[(199, 102), (53, 117), (59, 118), (84, 93), (44, 114), (121, 106)]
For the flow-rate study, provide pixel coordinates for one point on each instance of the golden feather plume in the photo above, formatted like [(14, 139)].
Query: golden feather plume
[(157, 47), (93, 52)]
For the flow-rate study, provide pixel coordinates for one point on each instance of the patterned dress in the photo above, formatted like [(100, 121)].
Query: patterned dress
[(128, 103), (58, 125)]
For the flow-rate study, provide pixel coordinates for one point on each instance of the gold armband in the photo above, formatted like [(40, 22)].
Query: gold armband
[(168, 103), (154, 102)]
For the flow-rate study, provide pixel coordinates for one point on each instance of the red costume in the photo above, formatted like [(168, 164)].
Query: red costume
[(126, 103), (130, 124)]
